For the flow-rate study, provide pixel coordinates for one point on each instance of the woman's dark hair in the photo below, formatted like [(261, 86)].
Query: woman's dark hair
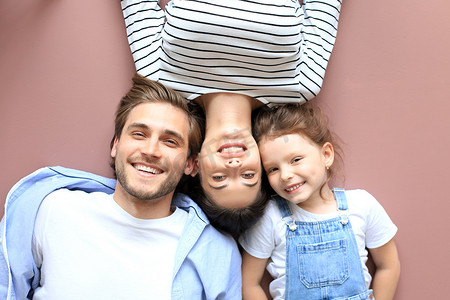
[(231, 220)]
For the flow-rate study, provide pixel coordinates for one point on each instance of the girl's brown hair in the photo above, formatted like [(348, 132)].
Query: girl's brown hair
[(306, 119)]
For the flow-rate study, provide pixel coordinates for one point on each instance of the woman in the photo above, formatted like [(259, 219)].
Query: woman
[(231, 56)]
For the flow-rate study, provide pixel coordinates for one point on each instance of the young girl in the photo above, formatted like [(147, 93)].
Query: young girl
[(313, 240)]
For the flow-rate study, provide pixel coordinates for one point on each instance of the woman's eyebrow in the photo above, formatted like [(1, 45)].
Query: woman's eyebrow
[(218, 187), (226, 184), (250, 184)]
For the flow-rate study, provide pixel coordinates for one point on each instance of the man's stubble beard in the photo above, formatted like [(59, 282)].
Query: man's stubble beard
[(166, 187)]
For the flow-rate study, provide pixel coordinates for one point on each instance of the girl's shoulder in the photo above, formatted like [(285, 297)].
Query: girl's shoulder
[(271, 220), (272, 211), (360, 197), (363, 205)]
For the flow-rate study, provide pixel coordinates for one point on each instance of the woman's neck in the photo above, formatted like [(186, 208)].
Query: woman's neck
[(227, 110)]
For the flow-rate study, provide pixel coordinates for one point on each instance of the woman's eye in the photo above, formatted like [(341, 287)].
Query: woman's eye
[(248, 175), (218, 177)]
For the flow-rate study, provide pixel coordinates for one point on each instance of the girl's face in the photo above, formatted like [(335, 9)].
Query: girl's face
[(296, 167)]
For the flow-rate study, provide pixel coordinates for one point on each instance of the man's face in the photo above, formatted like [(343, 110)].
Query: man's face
[(151, 154)]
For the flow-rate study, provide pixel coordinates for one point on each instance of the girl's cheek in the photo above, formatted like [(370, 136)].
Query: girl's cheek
[(273, 183)]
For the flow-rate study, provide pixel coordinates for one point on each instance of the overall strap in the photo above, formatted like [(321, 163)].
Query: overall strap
[(342, 205), (286, 213), (341, 199), (283, 207)]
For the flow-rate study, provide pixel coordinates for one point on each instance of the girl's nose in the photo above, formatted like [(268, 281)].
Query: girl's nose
[(286, 175)]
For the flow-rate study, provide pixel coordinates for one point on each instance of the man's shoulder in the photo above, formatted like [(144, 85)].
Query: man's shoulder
[(209, 236), (68, 196), (184, 202), (216, 237)]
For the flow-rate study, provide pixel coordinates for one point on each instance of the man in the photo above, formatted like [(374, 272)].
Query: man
[(68, 234)]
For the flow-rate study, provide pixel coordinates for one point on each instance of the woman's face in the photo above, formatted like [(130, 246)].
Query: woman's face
[(230, 168)]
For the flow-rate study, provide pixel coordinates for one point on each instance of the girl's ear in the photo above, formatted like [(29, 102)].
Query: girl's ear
[(328, 154), (191, 166)]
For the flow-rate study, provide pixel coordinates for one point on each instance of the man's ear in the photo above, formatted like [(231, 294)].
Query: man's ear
[(191, 166), (114, 148)]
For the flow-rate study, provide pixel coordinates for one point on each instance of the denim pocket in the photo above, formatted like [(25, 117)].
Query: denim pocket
[(323, 264)]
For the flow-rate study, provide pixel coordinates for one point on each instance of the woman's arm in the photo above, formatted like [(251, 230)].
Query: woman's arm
[(387, 271), (144, 21), (252, 273), (318, 32)]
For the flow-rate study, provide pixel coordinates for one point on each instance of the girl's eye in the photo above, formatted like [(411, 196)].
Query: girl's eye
[(248, 175), (218, 177), (271, 170), (296, 159)]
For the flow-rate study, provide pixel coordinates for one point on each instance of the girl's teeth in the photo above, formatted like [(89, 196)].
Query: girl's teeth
[(293, 188)]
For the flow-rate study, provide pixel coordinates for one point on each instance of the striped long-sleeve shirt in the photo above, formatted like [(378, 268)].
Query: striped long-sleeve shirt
[(276, 51)]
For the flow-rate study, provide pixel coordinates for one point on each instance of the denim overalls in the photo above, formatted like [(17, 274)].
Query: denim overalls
[(322, 258)]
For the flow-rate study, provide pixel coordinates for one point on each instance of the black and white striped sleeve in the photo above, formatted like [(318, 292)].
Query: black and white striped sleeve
[(144, 21), (319, 30)]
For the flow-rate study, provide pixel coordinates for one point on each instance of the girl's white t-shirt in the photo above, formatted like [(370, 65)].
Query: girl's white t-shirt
[(370, 222), (88, 247)]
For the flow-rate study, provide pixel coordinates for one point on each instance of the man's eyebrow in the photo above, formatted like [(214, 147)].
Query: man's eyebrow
[(138, 125), (170, 132)]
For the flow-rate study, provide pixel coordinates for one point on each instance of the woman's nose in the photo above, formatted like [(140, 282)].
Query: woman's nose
[(234, 162)]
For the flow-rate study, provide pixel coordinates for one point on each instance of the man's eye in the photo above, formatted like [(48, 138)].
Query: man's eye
[(172, 142), (219, 177), (248, 175), (138, 134)]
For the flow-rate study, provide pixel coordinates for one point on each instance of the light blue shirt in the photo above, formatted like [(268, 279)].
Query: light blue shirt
[(207, 262)]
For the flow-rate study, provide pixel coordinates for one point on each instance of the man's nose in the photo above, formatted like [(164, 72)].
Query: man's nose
[(152, 148)]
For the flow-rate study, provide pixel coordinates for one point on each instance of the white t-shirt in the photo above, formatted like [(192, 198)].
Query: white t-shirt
[(88, 247), (371, 225)]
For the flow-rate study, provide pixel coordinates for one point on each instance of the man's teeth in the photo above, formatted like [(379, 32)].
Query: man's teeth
[(148, 169), (232, 149), (294, 187)]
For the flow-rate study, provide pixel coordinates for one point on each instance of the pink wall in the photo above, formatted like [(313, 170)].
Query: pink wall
[(64, 66)]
